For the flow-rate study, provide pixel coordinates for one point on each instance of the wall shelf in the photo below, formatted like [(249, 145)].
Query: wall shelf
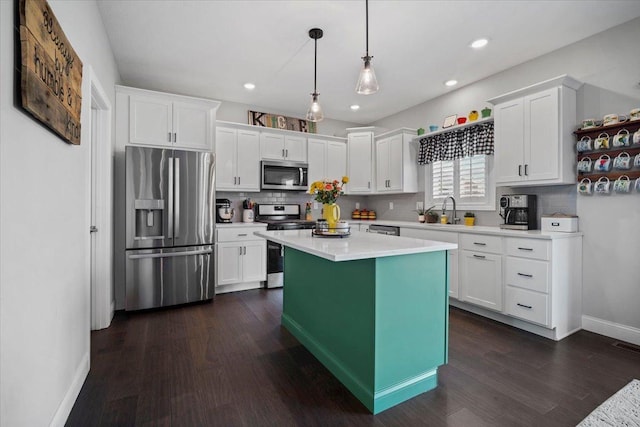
[(633, 150), (453, 128)]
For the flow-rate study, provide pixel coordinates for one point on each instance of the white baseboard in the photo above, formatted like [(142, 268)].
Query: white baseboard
[(611, 329), (61, 415)]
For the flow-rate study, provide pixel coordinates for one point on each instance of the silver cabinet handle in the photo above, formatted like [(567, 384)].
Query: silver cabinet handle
[(240, 247), (175, 137), (176, 231), (479, 256), (524, 306), (368, 184), (93, 229), (479, 243), (286, 153), (238, 180), (169, 134), (526, 249), (171, 254), (283, 153), (526, 171), (519, 170), (525, 275), (170, 201), (242, 234)]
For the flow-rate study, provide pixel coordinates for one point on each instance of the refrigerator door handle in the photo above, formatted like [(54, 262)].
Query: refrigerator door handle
[(170, 219), (172, 254), (176, 231)]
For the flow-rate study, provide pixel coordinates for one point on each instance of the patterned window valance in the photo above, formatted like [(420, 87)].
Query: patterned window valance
[(455, 144)]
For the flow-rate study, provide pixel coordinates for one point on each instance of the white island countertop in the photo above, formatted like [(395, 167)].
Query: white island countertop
[(358, 245)]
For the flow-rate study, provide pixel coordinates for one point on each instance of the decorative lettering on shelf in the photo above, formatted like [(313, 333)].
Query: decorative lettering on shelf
[(278, 121)]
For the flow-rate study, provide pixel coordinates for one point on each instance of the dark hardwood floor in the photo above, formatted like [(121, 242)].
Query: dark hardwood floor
[(230, 363)]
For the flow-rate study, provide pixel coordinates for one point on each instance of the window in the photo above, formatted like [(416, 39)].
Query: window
[(468, 180)]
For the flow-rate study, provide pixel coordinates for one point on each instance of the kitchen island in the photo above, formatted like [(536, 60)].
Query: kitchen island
[(371, 308)]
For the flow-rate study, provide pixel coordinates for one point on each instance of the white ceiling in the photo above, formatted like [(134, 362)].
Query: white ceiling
[(211, 48)]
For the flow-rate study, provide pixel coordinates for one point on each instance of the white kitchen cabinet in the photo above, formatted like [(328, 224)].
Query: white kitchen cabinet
[(360, 162), (481, 270), (161, 119), (237, 159), (241, 259), (275, 146), (396, 162), (533, 134), (481, 279), (327, 160), (543, 282), (440, 236)]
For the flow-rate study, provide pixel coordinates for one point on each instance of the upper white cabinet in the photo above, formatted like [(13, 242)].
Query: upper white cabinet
[(237, 159), (396, 162), (360, 161), (275, 146), (162, 119), (533, 134), (327, 159)]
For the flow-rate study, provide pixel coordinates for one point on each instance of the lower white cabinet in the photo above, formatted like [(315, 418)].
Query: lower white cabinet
[(481, 279), (532, 283), (241, 259)]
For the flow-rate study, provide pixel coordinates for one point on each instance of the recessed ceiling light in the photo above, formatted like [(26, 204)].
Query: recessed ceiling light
[(477, 44), (451, 83), (355, 107), (249, 86)]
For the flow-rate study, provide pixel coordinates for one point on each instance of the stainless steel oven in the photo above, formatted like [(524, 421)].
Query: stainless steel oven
[(279, 217), (284, 176)]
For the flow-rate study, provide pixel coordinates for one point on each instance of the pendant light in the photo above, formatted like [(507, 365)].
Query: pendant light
[(367, 83), (315, 111)]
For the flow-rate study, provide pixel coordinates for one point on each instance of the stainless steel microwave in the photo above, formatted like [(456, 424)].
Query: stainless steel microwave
[(284, 176)]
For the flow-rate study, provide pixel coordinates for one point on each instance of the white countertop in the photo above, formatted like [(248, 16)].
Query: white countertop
[(476, 229), (359, 245), (240, 224)]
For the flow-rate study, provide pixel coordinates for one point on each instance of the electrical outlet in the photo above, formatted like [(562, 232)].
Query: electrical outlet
[(357, 205), (419, 205), (390, 206)]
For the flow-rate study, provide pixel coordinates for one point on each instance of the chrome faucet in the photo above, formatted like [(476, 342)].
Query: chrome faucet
[(455, 218)]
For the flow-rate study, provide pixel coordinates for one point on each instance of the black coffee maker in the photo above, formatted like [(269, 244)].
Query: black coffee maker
[(519, 211), (224, 211)]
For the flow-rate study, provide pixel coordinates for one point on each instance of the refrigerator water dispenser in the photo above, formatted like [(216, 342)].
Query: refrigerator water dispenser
[(149, 219)]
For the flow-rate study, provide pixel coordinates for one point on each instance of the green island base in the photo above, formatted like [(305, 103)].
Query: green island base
[(380, 325)]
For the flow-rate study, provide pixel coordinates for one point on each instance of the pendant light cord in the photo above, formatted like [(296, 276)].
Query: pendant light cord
[(367, 24), (315, 66)]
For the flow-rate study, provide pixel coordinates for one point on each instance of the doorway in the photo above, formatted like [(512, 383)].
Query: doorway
[(100, 231)]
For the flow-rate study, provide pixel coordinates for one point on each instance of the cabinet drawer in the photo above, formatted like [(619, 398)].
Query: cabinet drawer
[(237, 234), (528, 248), (480, 242), (527, 305), (528, 274)]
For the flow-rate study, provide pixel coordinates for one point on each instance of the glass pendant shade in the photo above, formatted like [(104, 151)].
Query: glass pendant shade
[(315, 110), (367, 83)]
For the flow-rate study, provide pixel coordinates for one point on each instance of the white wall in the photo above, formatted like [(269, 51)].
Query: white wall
[(611, 225), (44, 247)]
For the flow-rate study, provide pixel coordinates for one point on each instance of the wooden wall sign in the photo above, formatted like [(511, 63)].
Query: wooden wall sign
[(278, 121), (51, 72)]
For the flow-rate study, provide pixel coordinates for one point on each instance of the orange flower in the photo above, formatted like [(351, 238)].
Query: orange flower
[(328, 187)]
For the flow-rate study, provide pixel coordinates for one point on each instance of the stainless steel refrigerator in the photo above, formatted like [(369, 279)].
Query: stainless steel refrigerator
[(170, 208)]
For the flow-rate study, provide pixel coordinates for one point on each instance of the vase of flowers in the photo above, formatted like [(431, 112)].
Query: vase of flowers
[(327, 193)]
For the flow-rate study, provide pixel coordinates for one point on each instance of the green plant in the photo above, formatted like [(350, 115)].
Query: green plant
[(469, 215), (431, 213)]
